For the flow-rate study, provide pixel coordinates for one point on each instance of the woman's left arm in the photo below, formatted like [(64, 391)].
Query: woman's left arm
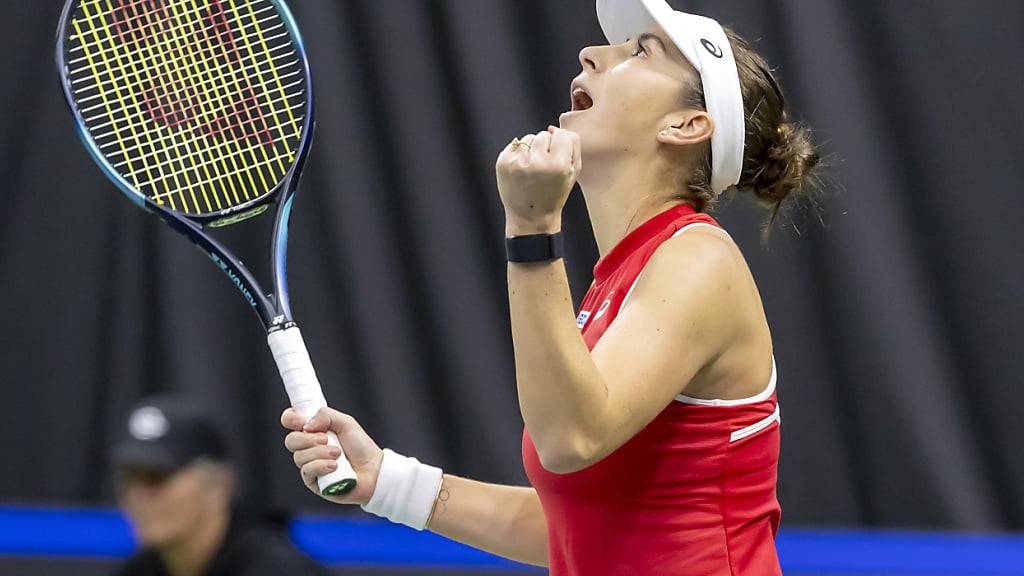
[(580, 405)]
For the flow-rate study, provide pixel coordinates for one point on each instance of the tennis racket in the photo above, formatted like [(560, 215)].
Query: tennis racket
[(201, 112)]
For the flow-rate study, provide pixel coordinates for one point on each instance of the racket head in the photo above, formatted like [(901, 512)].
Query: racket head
[(201, 110)]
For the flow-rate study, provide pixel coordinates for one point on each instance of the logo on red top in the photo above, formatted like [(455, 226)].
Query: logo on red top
[(581, 320)]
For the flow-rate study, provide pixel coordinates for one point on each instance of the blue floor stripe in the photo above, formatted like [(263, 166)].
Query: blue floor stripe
[(64, 532), (89, 533), (909, 553), (375, 542)]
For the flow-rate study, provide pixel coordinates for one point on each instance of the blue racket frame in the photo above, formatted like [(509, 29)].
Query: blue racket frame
[(273, 309)]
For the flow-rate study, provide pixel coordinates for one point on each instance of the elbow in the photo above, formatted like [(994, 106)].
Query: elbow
[(566, 454)]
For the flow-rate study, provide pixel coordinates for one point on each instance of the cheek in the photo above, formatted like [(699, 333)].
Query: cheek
[(178, 506), (147, 512), (646, 110), (132, 505), (187, 498), (633, 110), (645, 92)]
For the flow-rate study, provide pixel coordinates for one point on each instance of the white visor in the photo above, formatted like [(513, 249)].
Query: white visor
[(704, 44)]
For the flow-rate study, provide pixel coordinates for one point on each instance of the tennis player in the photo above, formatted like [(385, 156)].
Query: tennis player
[(652, 426)]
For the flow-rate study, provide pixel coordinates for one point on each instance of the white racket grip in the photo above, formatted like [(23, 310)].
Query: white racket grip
[(307, 397)]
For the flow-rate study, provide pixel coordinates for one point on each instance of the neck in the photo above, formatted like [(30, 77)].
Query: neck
[(191, 555), (623, 195)]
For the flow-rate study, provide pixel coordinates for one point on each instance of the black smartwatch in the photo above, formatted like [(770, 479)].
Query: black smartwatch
[(535, 248)]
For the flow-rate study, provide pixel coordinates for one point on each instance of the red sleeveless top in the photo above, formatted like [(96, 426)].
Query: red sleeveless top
[(691, 494)]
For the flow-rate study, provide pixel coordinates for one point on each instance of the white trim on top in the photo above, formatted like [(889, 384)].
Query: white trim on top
[(695, 224), (764, 395), (756, 427)]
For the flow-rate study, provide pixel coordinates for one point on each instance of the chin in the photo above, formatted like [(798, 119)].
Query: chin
[(568, 119), (588, 133)]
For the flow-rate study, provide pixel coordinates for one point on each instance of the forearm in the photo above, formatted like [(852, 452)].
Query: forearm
[(561, 392), (504, 520)]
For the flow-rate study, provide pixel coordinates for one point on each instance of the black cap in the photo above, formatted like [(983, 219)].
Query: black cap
[(168, 432)]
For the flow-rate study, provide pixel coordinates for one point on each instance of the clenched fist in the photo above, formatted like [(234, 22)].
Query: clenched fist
[(535, 175)]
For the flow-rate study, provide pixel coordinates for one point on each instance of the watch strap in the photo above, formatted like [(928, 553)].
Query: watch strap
[(535, 248)]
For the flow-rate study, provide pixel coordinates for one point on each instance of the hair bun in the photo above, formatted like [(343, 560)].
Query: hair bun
[(784, 164)]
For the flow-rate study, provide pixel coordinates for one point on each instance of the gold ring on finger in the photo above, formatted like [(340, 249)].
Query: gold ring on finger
[(516, 143)]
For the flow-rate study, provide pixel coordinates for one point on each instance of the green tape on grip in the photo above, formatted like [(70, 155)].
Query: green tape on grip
[(339, 488)]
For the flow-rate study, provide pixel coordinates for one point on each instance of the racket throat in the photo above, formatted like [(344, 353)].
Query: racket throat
[(281, 323)]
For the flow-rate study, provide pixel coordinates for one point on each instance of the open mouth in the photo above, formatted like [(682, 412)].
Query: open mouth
[(581, 100)]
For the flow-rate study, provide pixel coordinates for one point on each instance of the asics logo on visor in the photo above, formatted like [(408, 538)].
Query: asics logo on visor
[(710, 46)]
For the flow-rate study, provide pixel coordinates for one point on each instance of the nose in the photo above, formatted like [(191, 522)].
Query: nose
[(589, 59)]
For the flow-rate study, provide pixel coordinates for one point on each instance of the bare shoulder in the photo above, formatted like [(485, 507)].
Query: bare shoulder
[(703, 255), (698, 277), (698, 286)]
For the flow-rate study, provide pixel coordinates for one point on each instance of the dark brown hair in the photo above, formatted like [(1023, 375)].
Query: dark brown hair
[(779, 156)]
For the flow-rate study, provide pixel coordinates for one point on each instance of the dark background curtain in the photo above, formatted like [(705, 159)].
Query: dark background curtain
[(895, 306)]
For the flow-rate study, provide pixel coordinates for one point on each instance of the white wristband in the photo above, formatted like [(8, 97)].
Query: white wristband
[(405, 491)]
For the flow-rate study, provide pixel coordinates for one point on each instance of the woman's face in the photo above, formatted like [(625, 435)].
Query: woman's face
[(627, 94)]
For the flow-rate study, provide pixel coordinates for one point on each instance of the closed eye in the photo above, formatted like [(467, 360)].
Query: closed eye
[(639, 48)]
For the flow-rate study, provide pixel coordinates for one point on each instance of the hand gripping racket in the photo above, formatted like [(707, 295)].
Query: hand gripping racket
[(201, 112)]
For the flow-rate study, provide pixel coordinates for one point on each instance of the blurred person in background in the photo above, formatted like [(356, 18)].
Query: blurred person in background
[(176, 484)]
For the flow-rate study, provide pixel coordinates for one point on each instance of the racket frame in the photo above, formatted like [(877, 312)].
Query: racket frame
[(273, 308)]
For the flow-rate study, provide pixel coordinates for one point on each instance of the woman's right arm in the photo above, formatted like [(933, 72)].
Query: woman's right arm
[(504, 520)]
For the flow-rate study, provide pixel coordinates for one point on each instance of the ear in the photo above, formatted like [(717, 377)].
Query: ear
[(687, 128)]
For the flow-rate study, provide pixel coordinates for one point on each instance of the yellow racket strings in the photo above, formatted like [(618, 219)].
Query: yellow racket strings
[(198, 104)]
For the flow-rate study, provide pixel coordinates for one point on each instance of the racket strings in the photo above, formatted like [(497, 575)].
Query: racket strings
[(248, 64), (291, 73), (248, 33), (124, 31), (121, 25), (196, 103), (164, 140)]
